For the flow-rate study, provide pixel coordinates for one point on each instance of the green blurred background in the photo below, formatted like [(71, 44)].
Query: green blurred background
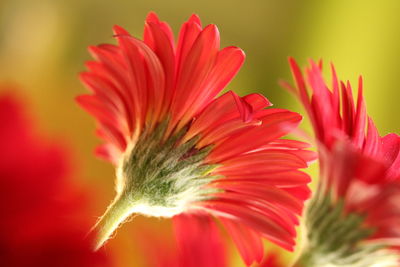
[(43, 48)]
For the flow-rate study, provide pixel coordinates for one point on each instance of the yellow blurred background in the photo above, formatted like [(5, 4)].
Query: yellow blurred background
[(43, 48)]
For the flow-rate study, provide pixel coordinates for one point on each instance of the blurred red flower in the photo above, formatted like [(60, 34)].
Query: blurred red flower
[(359, 169), (178, 148), (43, 221)]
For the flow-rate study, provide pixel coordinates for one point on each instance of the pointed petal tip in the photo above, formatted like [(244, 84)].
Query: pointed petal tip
[(266, 101), (287, 86), (292, 61), (360, 82), (152, 17), (294, 66), (79, 99), (314, 65), (118, 30), (296, 116), (84, 101), (212, 28), (194, 18), (237, 50), (260, 99), (320, 63), (290, 248), (92, 49), (82, 76)]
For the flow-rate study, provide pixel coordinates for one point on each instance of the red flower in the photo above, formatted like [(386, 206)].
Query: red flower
[(180, 149), (359, 169), (40, 223)]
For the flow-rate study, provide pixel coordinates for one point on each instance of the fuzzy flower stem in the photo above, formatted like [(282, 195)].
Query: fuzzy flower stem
[(307, 259), (116, 213)]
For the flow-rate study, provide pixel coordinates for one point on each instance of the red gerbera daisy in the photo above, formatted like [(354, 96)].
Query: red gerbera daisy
[(180, 149), (354, 213), (43, 222)]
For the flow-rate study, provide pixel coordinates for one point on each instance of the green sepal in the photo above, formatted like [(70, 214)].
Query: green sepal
[(336, 237), (165, 173)]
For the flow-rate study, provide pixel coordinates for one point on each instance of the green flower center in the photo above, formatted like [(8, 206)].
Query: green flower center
[(162, 177)]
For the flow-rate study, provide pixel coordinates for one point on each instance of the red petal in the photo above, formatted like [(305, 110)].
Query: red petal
[(276, 213), (300, 192), (146, 77), (280, 179), (391, 155), (163, 47), (199, 241), (253, 219), (298, 76), (358, 134), (225, 109), (193, 71), (271, 194), (257, 101), (228, 63), (263, 161), (152, 18), (247, 241), (107, 120), (109, 152), (273, 126)]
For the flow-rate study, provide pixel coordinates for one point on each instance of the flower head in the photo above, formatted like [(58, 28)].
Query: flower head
[(359, 175), (43, 221), (178, 148)]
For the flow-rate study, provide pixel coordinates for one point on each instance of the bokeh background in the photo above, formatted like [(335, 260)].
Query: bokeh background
[(43, 48)]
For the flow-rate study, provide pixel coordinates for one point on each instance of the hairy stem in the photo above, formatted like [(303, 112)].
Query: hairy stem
[(119, 210), (306, 259)]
